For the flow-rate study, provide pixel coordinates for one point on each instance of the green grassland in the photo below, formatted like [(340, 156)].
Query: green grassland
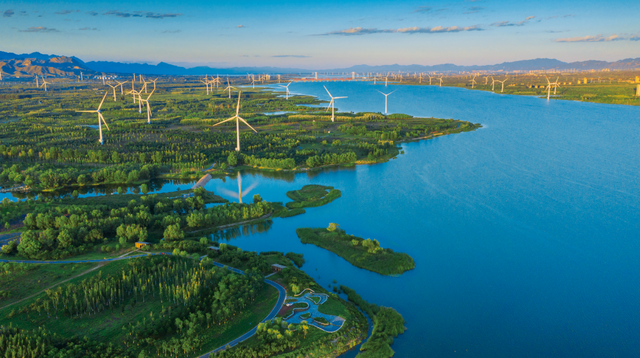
[(18, 281), (361, 253), (611, 87)]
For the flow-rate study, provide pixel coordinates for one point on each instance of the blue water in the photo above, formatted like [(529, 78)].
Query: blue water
[(525, 233)]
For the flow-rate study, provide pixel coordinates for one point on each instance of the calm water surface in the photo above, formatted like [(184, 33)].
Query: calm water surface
[(525, 233)]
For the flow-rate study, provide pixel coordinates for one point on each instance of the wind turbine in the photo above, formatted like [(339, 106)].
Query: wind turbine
[(206, 83), (114, 91), (148, 106), (287, 88), (238, 119), (228, 87), (440, 81), (154, 83), (120, 84), (385, 100), (332, 104), (473, 81), (549, 84), (493, 83), (100, 117), (44, 84), (505, 80)]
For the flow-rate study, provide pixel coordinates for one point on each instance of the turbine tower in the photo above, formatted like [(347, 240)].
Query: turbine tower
[(505, 80), (287, 88), (148, 106), (114, 91), (238, 119), (229, 87), (332, 104), (386, 96), (100, 117)]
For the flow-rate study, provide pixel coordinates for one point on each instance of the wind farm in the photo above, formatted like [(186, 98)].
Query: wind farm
[(469, 216)]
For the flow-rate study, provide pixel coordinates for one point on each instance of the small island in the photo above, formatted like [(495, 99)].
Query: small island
[(310, 195), (366, 254)]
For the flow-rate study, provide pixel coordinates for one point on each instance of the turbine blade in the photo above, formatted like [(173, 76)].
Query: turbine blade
[(238, 106), (105, 96), (103, 121), (325, 88), (87, 111), (245, 122), (226, 120)]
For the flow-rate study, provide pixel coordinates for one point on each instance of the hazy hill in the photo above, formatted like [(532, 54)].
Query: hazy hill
[(41, 64), (44, 66)]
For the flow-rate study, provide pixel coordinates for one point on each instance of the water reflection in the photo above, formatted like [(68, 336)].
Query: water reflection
[(240, 194), (238, 231)]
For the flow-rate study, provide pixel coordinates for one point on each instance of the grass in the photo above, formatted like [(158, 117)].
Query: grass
[(292, 212), (312, 195), (24, 280), (334, 307), (305, 316), (382, 261)]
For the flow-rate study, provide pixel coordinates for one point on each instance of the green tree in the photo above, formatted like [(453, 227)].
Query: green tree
[(232, 159), (173, 233), (333, 227), (257, 198), (144, 188)]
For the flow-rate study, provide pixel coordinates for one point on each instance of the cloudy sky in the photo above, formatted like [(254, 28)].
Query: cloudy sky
[(323, 34)]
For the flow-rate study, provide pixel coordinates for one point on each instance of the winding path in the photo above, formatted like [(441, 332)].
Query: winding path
[(282, 293)]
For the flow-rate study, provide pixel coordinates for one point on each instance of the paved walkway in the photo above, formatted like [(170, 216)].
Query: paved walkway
[(335, 322), (84, 261), (6, 238)]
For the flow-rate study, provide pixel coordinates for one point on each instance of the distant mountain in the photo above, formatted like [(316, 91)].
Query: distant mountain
[(41, 64), (168, 69), (524, 65)]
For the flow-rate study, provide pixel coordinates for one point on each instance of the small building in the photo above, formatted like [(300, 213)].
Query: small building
[(141, 244), (215, 248), (278, 267)]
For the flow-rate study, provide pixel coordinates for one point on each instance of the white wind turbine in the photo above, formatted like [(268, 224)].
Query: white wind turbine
[(120, 84), (44, 84), (493, 84), (332, 104), (238, 119), (549, 84), (114, 91), (206, 83), (473, 81), (229, 87), (440, 81), (37, 83), (287, 88), (386, 95), (100, 117), (148, 106), (505, 80)]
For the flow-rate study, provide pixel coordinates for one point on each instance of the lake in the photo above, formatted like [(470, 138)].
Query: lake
[(525, 233)]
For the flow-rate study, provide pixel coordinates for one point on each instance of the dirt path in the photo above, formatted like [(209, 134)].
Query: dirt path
[(52, 286)]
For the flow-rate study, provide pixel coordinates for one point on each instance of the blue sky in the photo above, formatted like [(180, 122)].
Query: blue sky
[(323, 34)]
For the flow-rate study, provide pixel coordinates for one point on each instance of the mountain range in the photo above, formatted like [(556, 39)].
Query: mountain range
[(41, 64)]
